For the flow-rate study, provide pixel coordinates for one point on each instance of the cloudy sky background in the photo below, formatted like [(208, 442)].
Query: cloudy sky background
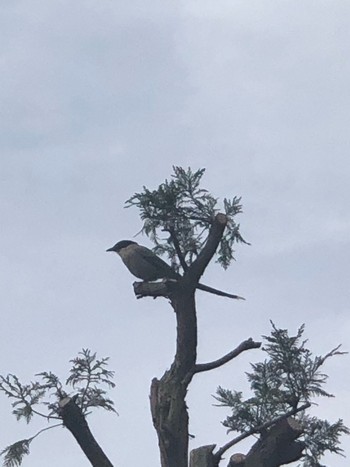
[(98, 99)]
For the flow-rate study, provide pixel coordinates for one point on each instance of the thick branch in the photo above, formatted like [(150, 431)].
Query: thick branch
[(277, 447), (258, 429), (245, 345), (75, 421), (216, 231), (155, 289), (168, 287)]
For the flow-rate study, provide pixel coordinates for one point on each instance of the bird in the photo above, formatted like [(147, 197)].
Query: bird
[(146, 265)]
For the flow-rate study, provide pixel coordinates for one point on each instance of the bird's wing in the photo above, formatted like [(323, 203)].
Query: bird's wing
[(158, 263)]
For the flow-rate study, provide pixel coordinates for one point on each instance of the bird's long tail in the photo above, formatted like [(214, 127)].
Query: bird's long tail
[(218, 292)]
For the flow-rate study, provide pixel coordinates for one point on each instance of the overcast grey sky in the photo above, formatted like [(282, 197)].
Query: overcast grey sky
[(97, 99)]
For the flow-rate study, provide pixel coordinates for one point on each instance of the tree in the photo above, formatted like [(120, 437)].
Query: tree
[(184, 223)]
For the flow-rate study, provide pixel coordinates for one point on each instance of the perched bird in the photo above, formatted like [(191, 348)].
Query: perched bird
[(146, 265)]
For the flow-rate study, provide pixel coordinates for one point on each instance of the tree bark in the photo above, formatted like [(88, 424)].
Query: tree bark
[(75, 421), (279, 446), (203, 456), (168, 406)]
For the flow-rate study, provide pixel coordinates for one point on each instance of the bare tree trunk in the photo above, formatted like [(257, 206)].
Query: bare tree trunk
[(168, 406)]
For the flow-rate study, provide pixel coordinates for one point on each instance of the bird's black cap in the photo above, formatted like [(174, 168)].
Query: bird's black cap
[(120, 245)]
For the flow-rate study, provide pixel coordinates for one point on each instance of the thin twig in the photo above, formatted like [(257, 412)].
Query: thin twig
[(331, 353), (88, 381), (45, 416), (45, 429)]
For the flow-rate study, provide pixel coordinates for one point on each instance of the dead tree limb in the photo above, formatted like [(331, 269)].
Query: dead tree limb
[(75, 421), (245, 345), (278, 447)]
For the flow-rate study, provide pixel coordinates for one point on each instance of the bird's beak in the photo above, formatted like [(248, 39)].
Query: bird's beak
[(110, 249)]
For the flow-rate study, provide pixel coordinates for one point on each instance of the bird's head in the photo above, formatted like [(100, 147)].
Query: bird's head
[(120, 245)]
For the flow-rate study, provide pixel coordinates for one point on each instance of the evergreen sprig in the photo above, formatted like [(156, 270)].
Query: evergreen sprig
[(13, 454), (86, 372), (321, 436), (26, 396), (185, 211)]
